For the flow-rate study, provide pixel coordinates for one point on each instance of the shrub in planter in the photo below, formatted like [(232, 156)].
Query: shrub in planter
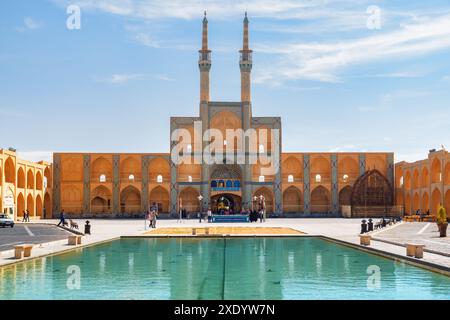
[(442, 222)]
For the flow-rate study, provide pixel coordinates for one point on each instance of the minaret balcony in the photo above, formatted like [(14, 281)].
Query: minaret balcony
[(204, 56), (246, 56)]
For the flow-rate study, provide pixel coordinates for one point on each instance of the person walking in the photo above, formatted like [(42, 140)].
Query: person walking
[(28, 216), (151, 216), (24, 218), (209, 215), (261, 216), (155, 214), (62, 218)]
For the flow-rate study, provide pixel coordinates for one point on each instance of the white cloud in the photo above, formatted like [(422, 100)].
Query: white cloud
[(446, 78), (36, 156), (190, 9), (324, 61), (30, 24), (146, 40), (164, 77), (344, 148), (121, 78)]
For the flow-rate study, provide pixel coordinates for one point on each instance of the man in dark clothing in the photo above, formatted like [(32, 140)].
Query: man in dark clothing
[(62, 219)]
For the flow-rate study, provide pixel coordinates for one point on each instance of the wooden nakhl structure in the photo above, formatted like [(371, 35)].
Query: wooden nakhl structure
[(373, 194)]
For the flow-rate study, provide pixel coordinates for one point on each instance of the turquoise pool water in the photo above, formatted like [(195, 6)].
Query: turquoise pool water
[(238, 268)]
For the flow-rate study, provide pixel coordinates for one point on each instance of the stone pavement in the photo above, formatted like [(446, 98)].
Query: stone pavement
[(341, 229), (425, 233)]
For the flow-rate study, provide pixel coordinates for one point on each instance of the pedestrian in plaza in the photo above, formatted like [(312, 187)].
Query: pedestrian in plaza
[(155, 214), (28, 216), (261, 215), (209, 215), (151, 216), (62, 218), (24, 213)]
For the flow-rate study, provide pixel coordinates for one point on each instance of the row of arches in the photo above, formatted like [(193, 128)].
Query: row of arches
[(421, 178), (293, 200), (36, 206), (130, 169), (320, 168), (424, 202), (25, 179), (130, 199)]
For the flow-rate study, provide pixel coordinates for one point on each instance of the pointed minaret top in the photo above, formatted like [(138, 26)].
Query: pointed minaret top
[(204, 19), (245, 46)]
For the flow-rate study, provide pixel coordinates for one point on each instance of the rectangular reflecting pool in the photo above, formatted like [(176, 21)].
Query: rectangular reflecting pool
[(232, 268)]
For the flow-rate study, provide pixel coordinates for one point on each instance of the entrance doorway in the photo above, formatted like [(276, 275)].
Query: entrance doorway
[(226, 204)]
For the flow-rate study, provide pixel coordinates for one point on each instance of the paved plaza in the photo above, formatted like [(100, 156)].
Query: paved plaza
[(425, 233), (30, 234), (347, 230)]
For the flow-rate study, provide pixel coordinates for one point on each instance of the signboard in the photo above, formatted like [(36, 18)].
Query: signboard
[(8, 199)]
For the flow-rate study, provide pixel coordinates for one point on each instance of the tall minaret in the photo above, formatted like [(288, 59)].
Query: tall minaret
[(204, 63), (245, 64)]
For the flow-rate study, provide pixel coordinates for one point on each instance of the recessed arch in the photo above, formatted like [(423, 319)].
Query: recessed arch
[(320, 166), (130, 166), (348, 166), (407, 181), (160, 196), (436, 172), (320, 200), (130, 200), (159, 167), (425, 202), (267, 194), (101, 198), (345, 196), (39, 206), (71, 198), (292, 200), (399, 179), (48, 177), (188, 199), (47, 206), (447, 202), (416, 202), (10, 171), (292, 169), (415, 180), (435, 200), (30, 205), (408, 203), (425, 178), (20, 204), (21, 178), (39, 181), (101, 167), (447, 174), (30, 179), (399, 198)]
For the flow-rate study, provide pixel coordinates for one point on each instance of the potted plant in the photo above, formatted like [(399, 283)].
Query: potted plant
[(442, 221)]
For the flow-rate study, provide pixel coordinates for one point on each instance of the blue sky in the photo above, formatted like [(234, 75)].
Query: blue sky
[(337, 84)]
